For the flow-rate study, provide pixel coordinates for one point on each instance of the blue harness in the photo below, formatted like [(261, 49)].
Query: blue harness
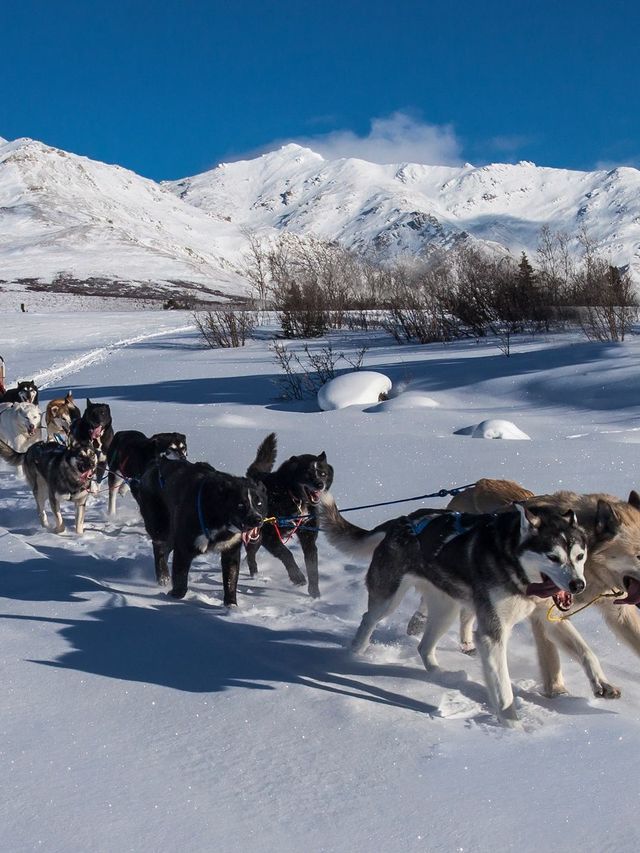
[(418, 526)]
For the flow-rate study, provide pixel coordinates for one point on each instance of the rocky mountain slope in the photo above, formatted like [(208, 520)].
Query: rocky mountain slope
[(68, 218)]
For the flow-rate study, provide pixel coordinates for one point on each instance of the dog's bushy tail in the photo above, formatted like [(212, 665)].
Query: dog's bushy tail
[(346, 537), (10, 455), (265, 457)]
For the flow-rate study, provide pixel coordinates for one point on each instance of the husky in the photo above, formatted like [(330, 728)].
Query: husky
[(613, 564), (19, 425), (131, 452), (190, 508), (55, 472), (493, 564), (59, 416), (95, 426), (25, 392), (294, 491)]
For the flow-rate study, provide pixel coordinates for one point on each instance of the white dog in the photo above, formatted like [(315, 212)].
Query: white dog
[(20, 426)]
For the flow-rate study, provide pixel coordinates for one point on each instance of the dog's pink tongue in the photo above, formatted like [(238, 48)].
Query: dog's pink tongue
[(633, 593), (97, 432), (543, 589)]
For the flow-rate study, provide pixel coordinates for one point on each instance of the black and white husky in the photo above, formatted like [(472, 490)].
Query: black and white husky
[(25, 392), (492, 564), (131, 452), (294, 490), (190, 508), (56, 473)]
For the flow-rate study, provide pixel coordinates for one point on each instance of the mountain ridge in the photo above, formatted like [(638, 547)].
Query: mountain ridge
[(64, 213)]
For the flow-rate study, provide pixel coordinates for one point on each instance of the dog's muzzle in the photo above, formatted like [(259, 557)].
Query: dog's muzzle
[(562, 599), (313, 495)]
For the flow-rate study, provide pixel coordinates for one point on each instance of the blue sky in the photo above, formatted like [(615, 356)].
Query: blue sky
[(172, 88)]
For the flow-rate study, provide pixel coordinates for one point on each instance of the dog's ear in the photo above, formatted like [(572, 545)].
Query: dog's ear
[(571, 517), (69, 399), (89, 403), (607, 522), (634, 499), (322, 457), (54, 411), (529, 521)]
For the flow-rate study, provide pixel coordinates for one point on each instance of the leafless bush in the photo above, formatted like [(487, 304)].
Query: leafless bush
[(225, 327), (607, 304), (305, 374), (315, 286)]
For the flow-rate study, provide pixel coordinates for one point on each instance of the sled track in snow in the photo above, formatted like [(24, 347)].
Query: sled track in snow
[(54, 374)]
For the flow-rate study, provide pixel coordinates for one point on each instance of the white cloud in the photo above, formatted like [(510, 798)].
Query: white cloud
[(397, 138)]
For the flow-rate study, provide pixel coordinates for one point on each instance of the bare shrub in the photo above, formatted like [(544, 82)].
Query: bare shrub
[(305, 374), (225, 327), (313, 285), (607, 303)]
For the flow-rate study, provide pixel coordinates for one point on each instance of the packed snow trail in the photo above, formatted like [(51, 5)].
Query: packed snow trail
[(57, 372)]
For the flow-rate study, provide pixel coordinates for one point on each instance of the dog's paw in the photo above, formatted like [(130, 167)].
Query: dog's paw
[(178, 592), (60, 528), (314, 592), (467, 648), (298, 579), (163, 580), (417, 624), (606, 691), (554, 690)]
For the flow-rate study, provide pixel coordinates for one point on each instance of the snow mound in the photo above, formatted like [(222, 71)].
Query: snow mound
[(362, 387), (499, 429), (407, 400)]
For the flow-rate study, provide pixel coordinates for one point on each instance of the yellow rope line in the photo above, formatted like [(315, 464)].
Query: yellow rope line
[(613, 594)]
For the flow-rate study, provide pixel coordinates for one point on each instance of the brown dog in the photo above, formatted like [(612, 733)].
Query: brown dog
[(59, 416)]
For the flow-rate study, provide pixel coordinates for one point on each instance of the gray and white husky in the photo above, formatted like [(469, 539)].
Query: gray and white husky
[(491, 564), (56, 473)]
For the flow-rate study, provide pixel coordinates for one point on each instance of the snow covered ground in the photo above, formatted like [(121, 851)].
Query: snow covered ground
[(130, 722)]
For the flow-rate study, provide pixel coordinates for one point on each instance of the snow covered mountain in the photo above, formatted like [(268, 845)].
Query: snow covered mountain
[(410, 208), (62, 213)]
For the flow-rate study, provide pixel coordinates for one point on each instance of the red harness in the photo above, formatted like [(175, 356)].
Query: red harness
[(297, 525)]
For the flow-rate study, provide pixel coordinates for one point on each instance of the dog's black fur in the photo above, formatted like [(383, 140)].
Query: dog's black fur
[(95, 426), (25, 392), (190, 508), (131, 452), (293, 490), (54, 472)]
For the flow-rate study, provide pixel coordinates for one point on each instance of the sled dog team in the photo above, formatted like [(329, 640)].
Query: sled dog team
[(496, 555)]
